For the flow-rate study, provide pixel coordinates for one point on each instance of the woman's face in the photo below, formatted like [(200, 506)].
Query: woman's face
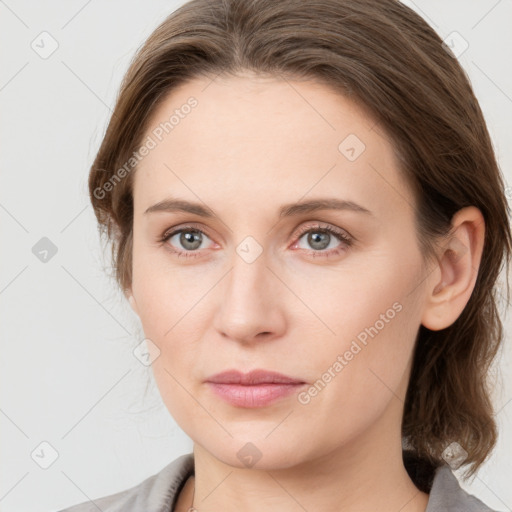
[(260, 284)]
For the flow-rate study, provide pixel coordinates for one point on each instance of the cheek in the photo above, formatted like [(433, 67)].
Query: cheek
[(368, 297), (167, 295), (170, 321), (170, 304), (369, 378), (364, 365)]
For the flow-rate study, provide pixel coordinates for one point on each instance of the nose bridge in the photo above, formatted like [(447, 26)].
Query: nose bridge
[(248, 305), (246, 288)]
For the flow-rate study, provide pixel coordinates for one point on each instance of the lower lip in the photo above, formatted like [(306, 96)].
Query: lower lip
[(253, 396)]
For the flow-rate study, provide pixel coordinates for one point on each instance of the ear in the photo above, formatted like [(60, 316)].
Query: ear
[(451, 283), (131, 299)]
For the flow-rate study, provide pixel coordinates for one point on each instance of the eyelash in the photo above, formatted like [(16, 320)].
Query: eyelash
[(344, 238)]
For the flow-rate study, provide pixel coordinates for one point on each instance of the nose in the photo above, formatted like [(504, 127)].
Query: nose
[(251, 307)]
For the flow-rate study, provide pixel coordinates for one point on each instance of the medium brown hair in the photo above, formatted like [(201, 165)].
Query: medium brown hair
[(387, 59)]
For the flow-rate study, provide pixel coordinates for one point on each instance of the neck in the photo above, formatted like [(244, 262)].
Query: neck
[(361, 475)]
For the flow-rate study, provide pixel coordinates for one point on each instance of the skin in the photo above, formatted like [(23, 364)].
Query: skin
[(294, 309)]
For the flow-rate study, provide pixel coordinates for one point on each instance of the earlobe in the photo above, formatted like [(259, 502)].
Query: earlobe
[(132, 302), (450, 285)]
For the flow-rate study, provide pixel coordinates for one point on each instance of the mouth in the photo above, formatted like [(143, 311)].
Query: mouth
[(257, 388)]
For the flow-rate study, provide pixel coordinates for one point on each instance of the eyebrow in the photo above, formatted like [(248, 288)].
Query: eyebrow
[(287, 210)]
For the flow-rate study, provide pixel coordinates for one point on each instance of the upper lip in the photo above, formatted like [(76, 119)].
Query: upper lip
[(252, 378)]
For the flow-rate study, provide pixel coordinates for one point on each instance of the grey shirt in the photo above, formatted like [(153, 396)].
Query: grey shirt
[(159, 492)]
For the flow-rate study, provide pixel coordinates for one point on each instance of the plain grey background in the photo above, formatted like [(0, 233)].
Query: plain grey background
[(69, 376)]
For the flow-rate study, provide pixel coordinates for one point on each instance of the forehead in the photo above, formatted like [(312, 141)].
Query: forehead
[(265, 138)]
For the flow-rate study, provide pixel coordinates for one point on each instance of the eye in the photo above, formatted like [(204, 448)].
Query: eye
[(185, 241), (324, 240)]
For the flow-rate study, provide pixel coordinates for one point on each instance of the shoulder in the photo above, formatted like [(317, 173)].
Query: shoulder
[(442, 486), (447, 495), (156, 493)]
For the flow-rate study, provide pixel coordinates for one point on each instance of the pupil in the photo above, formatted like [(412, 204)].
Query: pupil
[(319, 240), (190, 237)]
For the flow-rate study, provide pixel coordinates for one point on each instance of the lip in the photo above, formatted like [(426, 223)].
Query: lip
[(253, 377), (257, 388)]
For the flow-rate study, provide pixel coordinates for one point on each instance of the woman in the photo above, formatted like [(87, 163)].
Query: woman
[(308, 218)]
